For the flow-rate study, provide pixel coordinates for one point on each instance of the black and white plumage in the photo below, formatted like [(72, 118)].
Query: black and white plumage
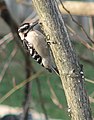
[(35, 42), (32, 51)]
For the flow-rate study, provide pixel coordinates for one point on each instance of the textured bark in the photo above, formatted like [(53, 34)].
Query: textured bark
[(65, 59)]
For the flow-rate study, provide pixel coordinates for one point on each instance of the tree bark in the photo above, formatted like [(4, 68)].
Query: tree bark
[(67, 63)]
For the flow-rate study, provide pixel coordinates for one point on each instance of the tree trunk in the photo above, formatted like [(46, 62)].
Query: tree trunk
[(69, 68)]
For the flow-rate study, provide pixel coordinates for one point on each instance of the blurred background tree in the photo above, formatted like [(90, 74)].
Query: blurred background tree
[(47, 92)]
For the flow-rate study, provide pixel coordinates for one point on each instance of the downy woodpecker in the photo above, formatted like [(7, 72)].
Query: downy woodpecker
[(34, 42)]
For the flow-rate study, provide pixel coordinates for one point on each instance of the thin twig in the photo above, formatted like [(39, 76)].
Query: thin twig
[(91, 27), (17, 87), (5, 41), (27, 91), (86, 59), (7, 38), (14, 81), (82, 28), (6, 16), (90, 81), (41, 98), (54, 97), (13, 53), (80, 39), (3, 46)]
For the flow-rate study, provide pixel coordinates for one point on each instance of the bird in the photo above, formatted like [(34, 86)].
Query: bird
[(35, 42)]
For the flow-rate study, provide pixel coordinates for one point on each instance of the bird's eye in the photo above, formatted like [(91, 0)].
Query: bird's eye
[(26, 27), (23, 27)]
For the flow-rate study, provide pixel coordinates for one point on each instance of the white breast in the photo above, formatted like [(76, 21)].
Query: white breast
[(37, 40), (21, 35)]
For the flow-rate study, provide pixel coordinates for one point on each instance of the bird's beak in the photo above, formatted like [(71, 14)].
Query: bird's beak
[(33, 24)]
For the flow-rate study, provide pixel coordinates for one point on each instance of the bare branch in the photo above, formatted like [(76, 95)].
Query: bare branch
[(54, 97), (6, 16), (27, 92), (86, 59), (17, 87), (91, 27), (7, 38), (82, 28), (75, 7), (90, 81), (81, 8), (13, 53), (41, 98), (80, 39)]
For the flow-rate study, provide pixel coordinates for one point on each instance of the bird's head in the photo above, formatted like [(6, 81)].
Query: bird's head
[(26, 27)]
